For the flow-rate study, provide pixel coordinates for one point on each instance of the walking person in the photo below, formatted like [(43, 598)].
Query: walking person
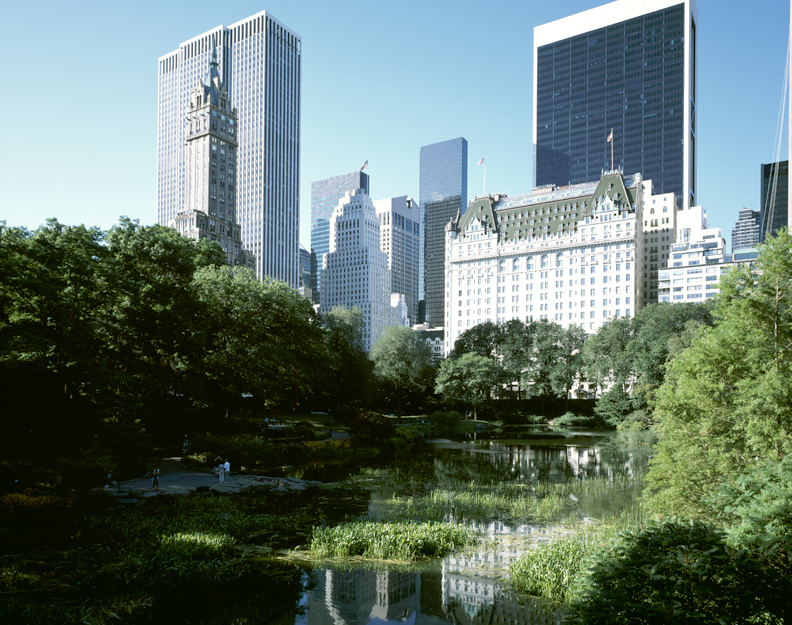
[(227, 466), (221, 471), (155, 478)]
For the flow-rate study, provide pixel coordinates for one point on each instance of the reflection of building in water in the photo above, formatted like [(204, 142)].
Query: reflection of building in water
[(547, 463), (356, 597), (467, 586)]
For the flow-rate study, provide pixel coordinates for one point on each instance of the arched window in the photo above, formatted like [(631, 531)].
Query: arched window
[(516, 265), (651, 211), (545, 261), (665, 209), (559, 260), (529, 263), (502, 266)]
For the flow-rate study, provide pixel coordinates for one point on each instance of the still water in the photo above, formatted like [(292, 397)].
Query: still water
[(463, 588)]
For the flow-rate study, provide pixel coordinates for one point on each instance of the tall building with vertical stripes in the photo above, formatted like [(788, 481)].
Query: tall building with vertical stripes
[(259, 62), (626, 68)]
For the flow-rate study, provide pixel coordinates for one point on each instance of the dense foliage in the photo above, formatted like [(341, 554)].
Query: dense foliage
[(674, 572), (112, 340), (726, 404)]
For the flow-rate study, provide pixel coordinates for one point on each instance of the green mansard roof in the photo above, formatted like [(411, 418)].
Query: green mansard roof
[(553, 211)]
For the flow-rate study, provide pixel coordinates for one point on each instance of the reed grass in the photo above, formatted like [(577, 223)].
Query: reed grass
[(556, 570), (400, 540)]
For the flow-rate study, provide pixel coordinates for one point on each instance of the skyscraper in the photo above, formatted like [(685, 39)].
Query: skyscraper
[(259, 62), (211, 125), (355, 269), (774, 197), (324, 199), (443, 193), (747, 230), (400, 239), (628, 67)]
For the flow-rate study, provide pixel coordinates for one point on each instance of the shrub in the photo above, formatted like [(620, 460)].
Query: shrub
[(570, 418), (677, 572), (371, 427)]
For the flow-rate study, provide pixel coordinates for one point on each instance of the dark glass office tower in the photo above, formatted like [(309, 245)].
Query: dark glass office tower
[(324, 198), (775, 195), (627, 66), (443, 193)]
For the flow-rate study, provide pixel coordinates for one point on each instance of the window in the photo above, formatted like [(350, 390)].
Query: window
[(545, 261)]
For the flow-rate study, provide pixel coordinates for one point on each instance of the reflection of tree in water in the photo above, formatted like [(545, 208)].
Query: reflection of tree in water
[(261, 597)]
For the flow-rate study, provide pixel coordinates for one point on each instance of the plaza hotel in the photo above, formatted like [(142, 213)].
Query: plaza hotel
[(571, 255)]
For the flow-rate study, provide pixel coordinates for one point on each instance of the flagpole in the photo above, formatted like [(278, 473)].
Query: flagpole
[(613, 165), (485, 179)]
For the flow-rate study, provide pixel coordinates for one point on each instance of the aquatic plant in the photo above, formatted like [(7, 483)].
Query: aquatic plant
[(399, 540)]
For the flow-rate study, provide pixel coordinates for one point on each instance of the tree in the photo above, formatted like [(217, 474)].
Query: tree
[(403, 360), (348, 379), (726, 403), (568, 366), (679, 573), (483, 338), (517, 349), (606, 354), (470, 378), (263, 338)]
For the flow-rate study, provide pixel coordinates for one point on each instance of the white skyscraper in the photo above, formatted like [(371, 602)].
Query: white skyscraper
[(355, 271), (259, 62), (400, 239)]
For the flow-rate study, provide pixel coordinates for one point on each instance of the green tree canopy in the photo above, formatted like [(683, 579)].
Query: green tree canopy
[(726, 402), (470, 379), (403, 360)]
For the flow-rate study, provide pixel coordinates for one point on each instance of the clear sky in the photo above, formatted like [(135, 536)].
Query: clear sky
[(380, 79)]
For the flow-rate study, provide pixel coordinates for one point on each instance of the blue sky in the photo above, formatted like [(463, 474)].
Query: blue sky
[(380, 79)]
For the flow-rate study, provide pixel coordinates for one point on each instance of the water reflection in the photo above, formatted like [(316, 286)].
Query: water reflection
[(463, 588)]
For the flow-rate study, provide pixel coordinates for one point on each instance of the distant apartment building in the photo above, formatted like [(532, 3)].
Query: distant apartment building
[(698, 260), (572, 255), (659, 230), (774, 198), (747, 231), (307, 262), (325, 195), (625, 70), (400, 237), (210, 153), (259, 62), (355, 271), (443, 194)]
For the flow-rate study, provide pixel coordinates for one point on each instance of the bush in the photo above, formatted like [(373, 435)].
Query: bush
[(571, 419), (371, 428), (676, 572)]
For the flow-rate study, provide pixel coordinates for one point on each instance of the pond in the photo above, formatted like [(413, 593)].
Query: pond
[(464, 587)]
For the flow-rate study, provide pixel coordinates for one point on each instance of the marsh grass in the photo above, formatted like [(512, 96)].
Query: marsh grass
[(403, 541), (556, 570)]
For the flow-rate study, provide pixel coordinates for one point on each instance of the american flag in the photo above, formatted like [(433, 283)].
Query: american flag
[(610, 136), (364, 166), (481, 162)]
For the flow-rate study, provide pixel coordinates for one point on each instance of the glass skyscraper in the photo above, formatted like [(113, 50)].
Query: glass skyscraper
[(443, 193), (774, 200), (325, 195), (627, 66), (259, 62)]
